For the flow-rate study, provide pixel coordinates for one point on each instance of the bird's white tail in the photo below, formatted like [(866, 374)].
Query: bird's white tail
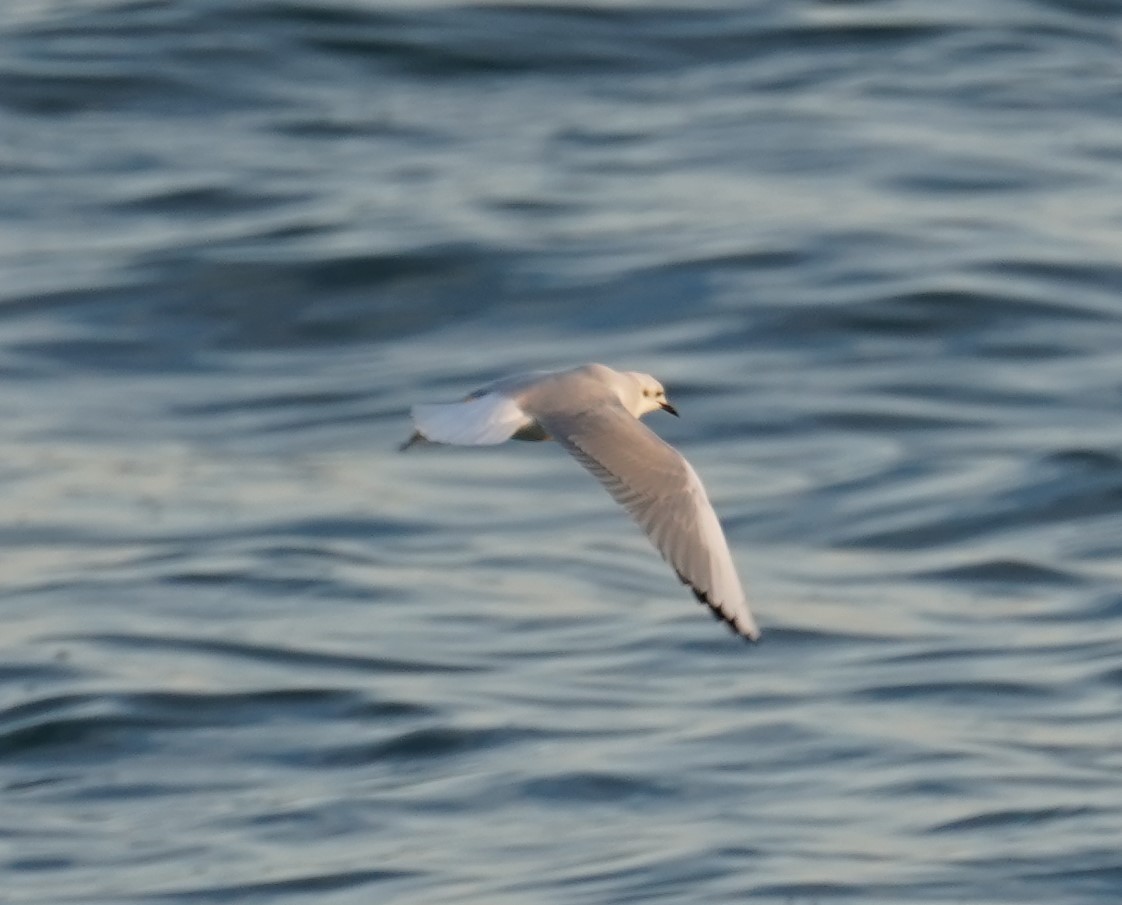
[(479, 421)]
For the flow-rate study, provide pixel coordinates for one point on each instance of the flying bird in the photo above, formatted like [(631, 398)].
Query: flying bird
[(593, 411)]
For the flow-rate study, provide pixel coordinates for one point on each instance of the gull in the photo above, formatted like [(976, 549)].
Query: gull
[(593, 412)]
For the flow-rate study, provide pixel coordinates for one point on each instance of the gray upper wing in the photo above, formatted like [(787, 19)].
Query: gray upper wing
[(663, 493)]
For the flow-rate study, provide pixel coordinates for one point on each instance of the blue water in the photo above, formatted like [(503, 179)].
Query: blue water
[(250, 653)]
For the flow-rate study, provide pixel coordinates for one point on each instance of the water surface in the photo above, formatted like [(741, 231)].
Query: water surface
[(251, 653)]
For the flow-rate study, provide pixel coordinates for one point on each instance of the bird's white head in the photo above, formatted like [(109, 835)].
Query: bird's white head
[(647, 395)]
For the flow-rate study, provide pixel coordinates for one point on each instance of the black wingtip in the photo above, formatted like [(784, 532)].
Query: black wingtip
[(716, 613)]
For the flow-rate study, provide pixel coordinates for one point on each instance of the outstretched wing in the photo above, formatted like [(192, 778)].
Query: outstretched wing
[(663, 493)]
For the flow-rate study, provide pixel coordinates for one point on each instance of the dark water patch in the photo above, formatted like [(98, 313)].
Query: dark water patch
[(32, 710), (242, 708), (413, 748), (680, 877), (799, 638), (1095, 12), (899, 415), (1063, 487), (204, 201), (1038, 496), (98, 61), (593, 788), (752, 260), (335, 411), (599, 135), (794, 745), (295, 657), (928, 787), (200, 306), (122, 721), (812, 892), (296, 577), (34, 865), (37, 784), (36, 673), (312, 301), (1011, 820), (588, 39), (275, 586), (974, 177), (273, 890), (335, 527), (997, 346), (1011, 572), (1101, 608), (597, 305), (979, 56), (960, 651), (537, 208), (310, 536), (457, 42), (940, 313), (56, 93), (281, 559), (1087, 461), (304, 821), (959, 692), (959, 391), (1062, 277), (103, 332), (98, 351), (141, 792), (321, 126), (78, 738), (279, 401), (1096, 874)]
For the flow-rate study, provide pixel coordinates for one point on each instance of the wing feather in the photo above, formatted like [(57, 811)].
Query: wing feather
[(662, 492)]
